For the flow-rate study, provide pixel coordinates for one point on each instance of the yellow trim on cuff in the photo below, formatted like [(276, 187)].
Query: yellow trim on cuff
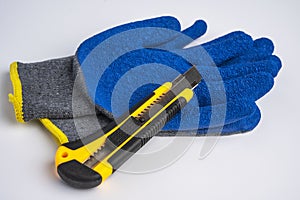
[(16, 98), (56, 132)]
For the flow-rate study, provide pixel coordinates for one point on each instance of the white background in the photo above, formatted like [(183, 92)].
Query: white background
[(263, 164)]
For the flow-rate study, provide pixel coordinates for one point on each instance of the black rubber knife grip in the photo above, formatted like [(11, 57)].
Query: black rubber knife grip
[(78, 175)]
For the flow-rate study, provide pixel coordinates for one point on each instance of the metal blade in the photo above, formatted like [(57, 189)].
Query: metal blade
[(190, 79)]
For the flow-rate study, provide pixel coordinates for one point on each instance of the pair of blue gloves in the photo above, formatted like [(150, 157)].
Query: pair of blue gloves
[(113, 70)]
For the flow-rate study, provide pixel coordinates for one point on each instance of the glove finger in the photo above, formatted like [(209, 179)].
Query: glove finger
[(188, 35), (262, 48), (218, 50), (250, 87), (243, 125), (167, 22), (210, 116), (271, 65)]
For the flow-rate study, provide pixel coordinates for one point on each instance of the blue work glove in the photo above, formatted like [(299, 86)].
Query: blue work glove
[(233, 52), (246, 73)]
